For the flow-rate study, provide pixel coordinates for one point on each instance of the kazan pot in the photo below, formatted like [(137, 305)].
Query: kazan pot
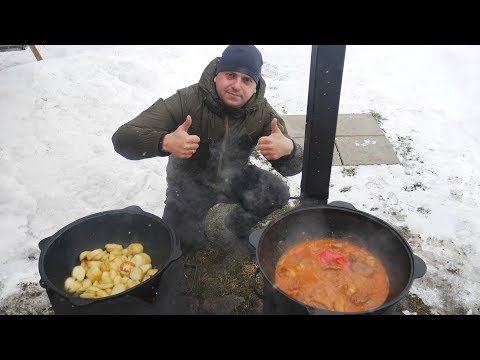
[(60, 253), (339, 223)]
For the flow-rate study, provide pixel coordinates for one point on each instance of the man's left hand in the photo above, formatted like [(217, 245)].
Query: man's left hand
[(275, 145)]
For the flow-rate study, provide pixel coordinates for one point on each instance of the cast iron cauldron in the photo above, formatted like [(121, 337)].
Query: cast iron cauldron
[(340, 223), (60, 253)]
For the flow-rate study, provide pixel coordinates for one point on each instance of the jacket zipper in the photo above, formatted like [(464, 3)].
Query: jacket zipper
[(224, 143)]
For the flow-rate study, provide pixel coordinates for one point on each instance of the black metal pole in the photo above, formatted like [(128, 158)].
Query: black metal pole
[(326, 70)]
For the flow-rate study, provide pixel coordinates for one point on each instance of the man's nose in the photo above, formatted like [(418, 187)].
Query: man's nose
[(237, 82)]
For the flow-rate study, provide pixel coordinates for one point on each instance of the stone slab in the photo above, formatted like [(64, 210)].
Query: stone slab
[(359, 139), (347, 125), (357, 124), (365, 150), (336, 156), (295, 125)]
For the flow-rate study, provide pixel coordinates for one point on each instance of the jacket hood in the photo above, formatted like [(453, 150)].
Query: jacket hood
[(216, 104)]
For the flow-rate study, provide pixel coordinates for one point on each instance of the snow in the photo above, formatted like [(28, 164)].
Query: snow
[(58, 164)]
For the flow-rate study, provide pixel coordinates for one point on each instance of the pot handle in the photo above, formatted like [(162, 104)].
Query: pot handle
[(135, 208), (254, 238), (254, 285), (342, 204), (43, 243), (42, 283), (419, 267)]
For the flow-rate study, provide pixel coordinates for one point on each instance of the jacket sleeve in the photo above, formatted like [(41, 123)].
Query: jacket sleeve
[(139, 138), (288, 165)]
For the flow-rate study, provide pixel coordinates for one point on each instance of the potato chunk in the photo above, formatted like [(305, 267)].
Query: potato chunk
[(72, 285), (135, 248), (78, 273)]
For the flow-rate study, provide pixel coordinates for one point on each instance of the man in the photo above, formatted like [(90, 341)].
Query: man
[(209, 131)]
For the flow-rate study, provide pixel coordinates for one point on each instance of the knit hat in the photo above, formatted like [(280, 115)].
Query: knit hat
[(245, 59)]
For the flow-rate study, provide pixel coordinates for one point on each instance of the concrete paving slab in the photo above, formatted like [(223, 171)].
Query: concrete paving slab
[(373, 147), (295, 125), (336, 156), (365, 150), (357, 124), (347, 125), (336, 161)]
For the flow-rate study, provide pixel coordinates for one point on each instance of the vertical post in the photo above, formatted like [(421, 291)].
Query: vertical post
[(326, 71), (35, 52)]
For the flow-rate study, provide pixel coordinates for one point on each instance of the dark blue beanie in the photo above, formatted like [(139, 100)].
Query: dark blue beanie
[(245, 59)]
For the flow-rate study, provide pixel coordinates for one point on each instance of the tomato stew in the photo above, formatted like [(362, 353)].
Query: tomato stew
[(332, 274)]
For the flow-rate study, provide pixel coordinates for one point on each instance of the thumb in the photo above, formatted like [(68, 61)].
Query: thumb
[(188, 122), (274, 125)]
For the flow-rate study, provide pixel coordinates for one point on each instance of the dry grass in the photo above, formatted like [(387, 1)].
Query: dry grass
[(220, 273), (223, 269)]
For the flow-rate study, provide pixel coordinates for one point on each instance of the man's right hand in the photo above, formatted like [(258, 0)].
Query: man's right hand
[(179, 143)]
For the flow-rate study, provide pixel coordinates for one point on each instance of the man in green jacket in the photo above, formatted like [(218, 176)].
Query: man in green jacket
[(209, 130)]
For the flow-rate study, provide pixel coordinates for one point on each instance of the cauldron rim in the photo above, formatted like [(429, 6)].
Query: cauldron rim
[(369, 217), (46, 243)]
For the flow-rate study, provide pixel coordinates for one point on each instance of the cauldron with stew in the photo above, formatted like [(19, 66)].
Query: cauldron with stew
[(338, 221)]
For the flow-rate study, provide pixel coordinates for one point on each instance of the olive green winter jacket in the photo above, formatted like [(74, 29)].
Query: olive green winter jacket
[(227, 135)]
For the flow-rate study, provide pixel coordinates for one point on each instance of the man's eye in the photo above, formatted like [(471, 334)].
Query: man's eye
[(230, 75)]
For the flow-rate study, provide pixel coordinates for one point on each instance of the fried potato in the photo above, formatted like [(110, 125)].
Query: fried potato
[(116, 252), (115, 264), (113, 247), (87, 295), (72, 285), (131, 283), (152, 272), (118, 289), (86, 283), (95, 254), (78, 273), (112, 274), (146, 258), (101, 293), (105, 266), (94, 263), (138, 260), (83, 255), (136, 274), (145, 267), (135, 248), (93, 289), (104, 286), (94, 274)]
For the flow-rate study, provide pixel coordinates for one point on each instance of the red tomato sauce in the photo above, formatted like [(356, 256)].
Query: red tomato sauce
[(332, 274)]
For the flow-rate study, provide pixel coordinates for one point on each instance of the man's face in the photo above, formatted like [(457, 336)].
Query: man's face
[(234, 88)]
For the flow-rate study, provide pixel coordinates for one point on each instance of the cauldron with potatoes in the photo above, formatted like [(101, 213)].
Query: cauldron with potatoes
[(160, 294), (315, 218)]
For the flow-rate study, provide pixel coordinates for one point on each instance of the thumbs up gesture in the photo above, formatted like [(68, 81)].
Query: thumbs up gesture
[(179, 143), (275, 145)]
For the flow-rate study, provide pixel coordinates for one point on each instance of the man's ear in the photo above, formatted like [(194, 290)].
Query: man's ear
[(215, 79)]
